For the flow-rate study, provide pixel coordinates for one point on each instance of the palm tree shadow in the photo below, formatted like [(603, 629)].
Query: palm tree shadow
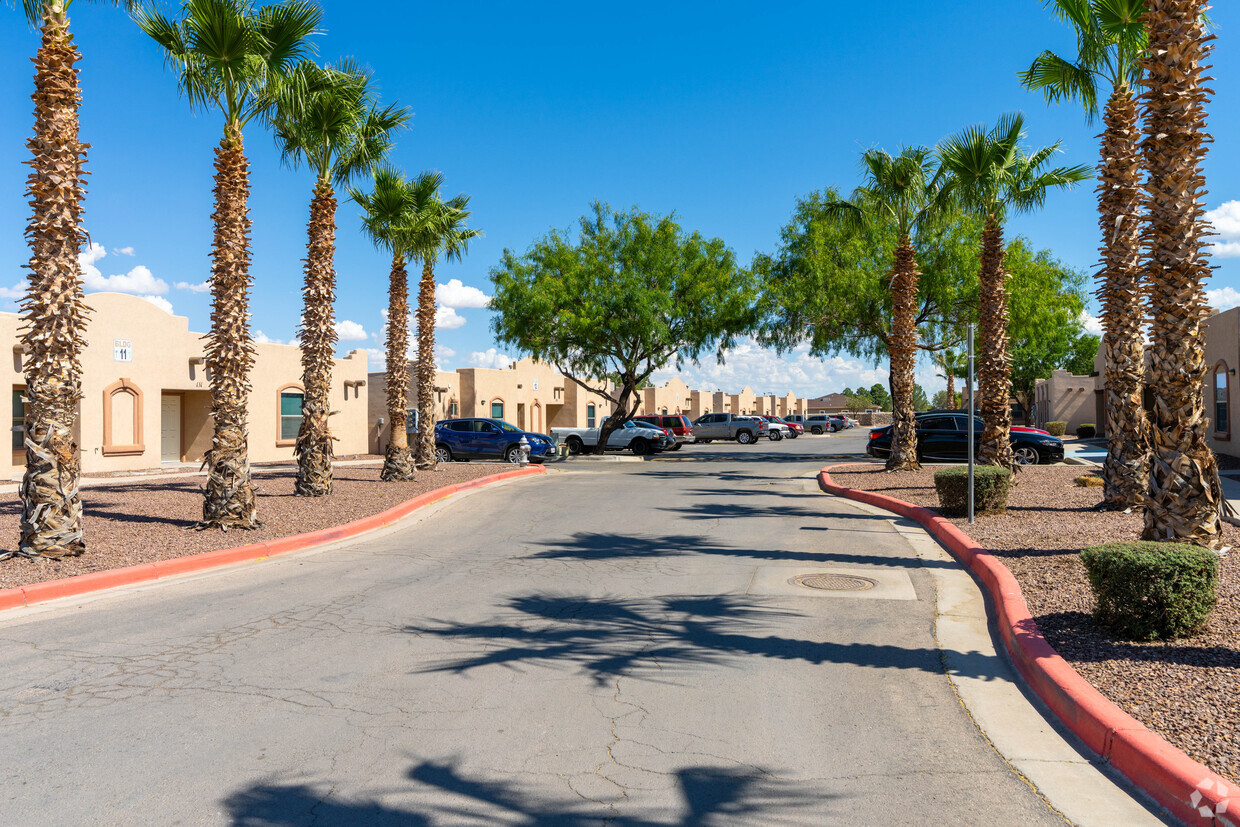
[(706, 793)]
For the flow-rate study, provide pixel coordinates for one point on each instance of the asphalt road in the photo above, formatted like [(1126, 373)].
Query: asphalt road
[(617, 645)]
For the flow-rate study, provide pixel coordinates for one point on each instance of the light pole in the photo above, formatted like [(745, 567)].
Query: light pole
[(969, 382)]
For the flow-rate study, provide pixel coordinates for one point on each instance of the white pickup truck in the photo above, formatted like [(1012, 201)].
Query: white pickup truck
[(629, 436)]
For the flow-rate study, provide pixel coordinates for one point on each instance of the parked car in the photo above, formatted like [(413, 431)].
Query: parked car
[(638, 437), (679, 425), (795, 419), (487, 439), (743, 429), (792, 430), (945, 437), (821, 424)]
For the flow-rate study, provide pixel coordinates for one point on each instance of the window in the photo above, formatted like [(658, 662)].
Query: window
[(464, 426), (590, 415), (454, 409), (19, 421), (497, 409), (1222, 402), (939, 424), (290, 414), (122, 419)]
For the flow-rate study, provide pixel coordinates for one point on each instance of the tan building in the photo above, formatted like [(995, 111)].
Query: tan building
[(673, 397), (743, 402), (146, 400), (1065, 398)]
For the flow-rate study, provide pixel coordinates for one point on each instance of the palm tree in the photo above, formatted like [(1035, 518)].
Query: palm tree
[(390, 217), (1184, 490), (952, 365), (236, 58), (1110, 42), (904, 191), (330, 121), (53, 312), (991, 176), (442, 232)]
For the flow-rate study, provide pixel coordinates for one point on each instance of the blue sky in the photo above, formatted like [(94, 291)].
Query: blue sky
[(720, 112)]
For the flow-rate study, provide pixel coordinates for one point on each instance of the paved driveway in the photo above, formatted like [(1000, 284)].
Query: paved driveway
[(618, 645)]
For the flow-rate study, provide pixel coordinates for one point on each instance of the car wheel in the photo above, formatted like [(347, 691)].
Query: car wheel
[(574, 445), (775, 436), (744, 437), (443, 453), (676, 447), (704, 441), (817, 430), (1026, 455), (639, 447), (513, 454), (792, 435)]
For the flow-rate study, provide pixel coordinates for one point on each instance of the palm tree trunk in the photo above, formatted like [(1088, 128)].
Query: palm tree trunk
[(951, 388), (994, 371), (1184, 490), (396, 462), (1127, 467), (903, 351), (53, 311), (425, 451), (318, 348), (229, 501)]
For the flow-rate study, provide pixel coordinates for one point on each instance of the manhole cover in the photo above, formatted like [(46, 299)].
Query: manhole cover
[(834, 582)]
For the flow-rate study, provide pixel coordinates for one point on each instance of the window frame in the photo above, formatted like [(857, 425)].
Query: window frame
[(281, 442), (1222, 433), (591, 415), (132, 449)]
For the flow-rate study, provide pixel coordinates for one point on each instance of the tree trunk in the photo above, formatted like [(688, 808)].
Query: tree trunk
[(951, 388), (1122, 295), (229, 501), (1184, 490), (902, 348), (994, 369), (425, 453), (53, 313), (318, 348), (397, 464), (623, 413)]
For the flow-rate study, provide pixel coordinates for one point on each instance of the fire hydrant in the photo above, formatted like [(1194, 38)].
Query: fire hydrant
[(523, 451)]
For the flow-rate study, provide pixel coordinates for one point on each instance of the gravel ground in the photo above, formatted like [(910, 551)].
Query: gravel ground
[(144, 521), (1187, 691)]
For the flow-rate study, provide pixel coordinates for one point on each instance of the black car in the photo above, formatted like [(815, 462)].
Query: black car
[(944, 437)]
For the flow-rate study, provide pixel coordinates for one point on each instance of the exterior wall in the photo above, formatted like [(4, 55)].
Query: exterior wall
[(121, 412), (673, 397), (743, 402), (1222, 335), (721, 402), (1065, 398), (699, 404)]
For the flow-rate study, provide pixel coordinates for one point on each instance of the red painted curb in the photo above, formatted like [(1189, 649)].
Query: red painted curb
[(100, 580), (1168, 775)]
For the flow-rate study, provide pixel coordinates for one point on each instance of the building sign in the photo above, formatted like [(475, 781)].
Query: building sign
[(122, 350), (535, 384)]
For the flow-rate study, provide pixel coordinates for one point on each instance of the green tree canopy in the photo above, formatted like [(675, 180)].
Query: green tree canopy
[(921, 402), (880, 396), (629, 293)]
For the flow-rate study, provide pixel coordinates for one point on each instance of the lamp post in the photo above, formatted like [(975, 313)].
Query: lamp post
[(969, 384)]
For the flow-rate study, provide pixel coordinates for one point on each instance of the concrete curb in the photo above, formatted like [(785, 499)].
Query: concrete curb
[(100, 580), (1190, 791)]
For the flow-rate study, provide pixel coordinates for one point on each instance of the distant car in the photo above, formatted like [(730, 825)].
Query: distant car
[(744, 429), (842, 422), (821, 424), (639, 437), (945, 437), (787, 429), (795, 419), (678, 424), (488, 439)]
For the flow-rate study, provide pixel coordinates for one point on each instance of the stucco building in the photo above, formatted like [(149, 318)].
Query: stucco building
[(146, 400), (1065, 397)]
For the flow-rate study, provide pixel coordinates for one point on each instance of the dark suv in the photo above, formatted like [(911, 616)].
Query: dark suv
[(487, 439), (944, 437), (678, 424)]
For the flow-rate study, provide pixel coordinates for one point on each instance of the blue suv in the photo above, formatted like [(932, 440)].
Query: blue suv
[(487, 439)]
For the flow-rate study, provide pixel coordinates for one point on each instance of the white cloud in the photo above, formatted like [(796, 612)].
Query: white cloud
[(347, 331), (160, 302), (456, 294), (1223, 298), (200, 287), (376, 359), (1091, 323), (1226, 221), (492, 358), (16, 292), (446, 318), (444, 352), (138, 281), (263, 339), (123, 251)]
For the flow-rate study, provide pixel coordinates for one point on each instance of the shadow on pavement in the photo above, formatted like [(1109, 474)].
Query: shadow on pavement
[(653, 638), (708, 794)]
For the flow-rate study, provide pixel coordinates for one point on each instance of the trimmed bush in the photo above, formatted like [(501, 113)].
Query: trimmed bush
[(1152, 591), (1090, 481), (1057, 428), (990, 490), (1087, 431)]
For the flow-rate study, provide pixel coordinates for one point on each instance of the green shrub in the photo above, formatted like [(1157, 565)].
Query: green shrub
[(1086, 431), (990, 489), (1057, 428), (1150, 591)]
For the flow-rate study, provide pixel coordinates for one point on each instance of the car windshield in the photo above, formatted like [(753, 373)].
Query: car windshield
[(504, 426)]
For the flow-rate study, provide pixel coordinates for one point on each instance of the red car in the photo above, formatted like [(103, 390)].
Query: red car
[(795, 427), (678, 425)]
